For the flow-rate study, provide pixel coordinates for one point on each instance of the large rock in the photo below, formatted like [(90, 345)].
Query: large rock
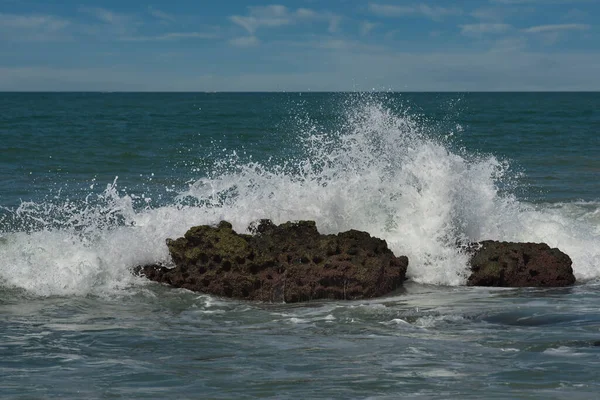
[(519, 265), (291, 262)]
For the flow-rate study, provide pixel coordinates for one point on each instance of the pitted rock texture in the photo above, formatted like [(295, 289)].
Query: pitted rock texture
[(290, 262), (509, 264)]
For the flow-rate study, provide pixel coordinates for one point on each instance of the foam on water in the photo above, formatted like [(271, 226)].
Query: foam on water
[(379, 171)]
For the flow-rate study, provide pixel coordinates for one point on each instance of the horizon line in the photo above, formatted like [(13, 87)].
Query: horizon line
[(294, 91)]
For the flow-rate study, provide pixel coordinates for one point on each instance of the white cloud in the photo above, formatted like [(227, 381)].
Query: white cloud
[(366, 27), (484, 28), (171, 36), (269, 16), (245, 41), (305, 13), (161, 15), (14, 27), (501, 13), (431, 12), (277, 15), (557, 28), (334, 23), (106, 16), (487, 14), (46, 22), (111, 23), (387, 10)]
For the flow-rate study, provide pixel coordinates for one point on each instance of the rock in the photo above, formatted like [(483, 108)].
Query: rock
[(509, 264), (290, 262)]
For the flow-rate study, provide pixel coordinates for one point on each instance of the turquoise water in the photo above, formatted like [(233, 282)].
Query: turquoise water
[(91, 184)]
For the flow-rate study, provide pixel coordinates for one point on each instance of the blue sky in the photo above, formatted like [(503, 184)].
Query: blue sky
[(302, 45)]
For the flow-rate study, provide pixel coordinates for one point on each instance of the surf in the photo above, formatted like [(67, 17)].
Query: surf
[(380, 169)]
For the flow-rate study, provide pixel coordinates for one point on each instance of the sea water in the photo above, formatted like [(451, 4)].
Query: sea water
[(92, 184)]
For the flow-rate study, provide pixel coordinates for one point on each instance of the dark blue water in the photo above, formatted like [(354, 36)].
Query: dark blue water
[(91, 184), (50, 139)]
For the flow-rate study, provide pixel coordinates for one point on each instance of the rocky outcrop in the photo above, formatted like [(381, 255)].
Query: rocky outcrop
[(291, 262), (519, 265)]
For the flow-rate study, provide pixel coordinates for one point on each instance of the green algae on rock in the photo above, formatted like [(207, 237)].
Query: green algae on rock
[(291, 262)]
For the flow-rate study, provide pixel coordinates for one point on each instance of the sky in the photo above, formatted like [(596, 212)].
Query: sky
[(300, 45)]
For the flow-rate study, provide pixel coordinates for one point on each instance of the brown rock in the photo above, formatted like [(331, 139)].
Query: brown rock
[(291, 262), (509, 264)]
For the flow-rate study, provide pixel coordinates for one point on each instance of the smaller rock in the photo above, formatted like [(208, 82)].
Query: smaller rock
[(507, 264)]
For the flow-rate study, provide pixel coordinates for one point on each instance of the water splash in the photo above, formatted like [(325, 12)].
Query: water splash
[(380, 170)]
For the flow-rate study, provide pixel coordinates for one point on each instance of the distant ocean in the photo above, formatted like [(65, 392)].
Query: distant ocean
[(91, 185)]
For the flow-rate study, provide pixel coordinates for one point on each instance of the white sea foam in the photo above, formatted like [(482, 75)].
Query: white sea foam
[(380, 171), (563, 351)]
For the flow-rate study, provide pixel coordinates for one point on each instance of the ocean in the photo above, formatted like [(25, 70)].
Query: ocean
[(92, 184)]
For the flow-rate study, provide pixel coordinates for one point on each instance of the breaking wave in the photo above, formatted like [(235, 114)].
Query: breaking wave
[(379, 170)]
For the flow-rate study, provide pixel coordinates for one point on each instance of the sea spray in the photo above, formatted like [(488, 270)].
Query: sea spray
[(380, 170)]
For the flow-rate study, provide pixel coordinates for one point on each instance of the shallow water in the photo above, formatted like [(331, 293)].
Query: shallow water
[(430, 342)]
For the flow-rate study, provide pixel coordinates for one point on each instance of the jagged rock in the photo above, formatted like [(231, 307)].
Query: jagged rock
[(290, 262), (509, 264)]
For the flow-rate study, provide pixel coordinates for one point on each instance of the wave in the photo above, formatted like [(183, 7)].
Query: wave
[(380, 171)]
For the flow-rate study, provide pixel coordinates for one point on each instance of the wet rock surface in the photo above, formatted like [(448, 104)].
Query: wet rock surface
[(290, 262), (508, 264)]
